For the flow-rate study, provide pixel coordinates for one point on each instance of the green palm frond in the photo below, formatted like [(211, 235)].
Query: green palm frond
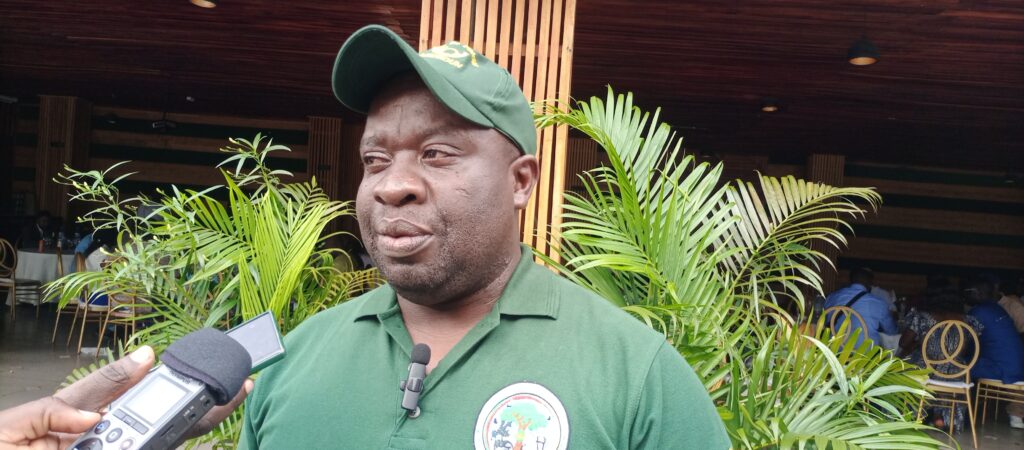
[(713, 265), (201, 262)]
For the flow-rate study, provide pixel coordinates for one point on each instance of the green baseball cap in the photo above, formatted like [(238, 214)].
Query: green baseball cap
[(468, 83)]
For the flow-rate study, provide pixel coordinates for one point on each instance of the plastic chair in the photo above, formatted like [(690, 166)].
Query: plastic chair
[(8, 271), (949, 383)]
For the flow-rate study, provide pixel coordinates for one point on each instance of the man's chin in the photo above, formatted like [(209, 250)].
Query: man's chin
[(412, 279)]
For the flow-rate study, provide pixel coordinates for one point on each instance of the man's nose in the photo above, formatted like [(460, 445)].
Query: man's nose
[(402, 184)]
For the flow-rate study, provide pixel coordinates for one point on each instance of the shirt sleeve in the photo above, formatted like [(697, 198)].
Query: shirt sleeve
[(674, 410), (886, 321), (247, 440)]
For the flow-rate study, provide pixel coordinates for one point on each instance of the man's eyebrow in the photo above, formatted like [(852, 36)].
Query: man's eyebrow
[(370, 141), (447, 129)]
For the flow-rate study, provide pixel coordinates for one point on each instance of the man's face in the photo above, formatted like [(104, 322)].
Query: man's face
[(438, 199)]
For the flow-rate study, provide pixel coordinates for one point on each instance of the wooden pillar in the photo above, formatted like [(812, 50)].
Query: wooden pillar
[(827, 169), (64, 129), (8, 138), (336, 166), (324, 160), (533, 40)]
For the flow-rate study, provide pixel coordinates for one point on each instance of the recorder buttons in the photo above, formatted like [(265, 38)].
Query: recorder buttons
[(114, 435)]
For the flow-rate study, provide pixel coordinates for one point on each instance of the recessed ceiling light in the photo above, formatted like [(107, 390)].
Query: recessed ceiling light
[(205, 3)]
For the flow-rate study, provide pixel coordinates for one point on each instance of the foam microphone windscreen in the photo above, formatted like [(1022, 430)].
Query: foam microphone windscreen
[(210, 356), (420, 354)]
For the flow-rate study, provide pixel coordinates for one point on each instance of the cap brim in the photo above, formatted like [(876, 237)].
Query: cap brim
[(374, 55)]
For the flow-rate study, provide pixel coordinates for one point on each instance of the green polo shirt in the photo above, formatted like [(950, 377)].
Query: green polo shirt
[(552, 366)]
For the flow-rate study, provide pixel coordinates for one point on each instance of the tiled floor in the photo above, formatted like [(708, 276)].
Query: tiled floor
[(30, 367)]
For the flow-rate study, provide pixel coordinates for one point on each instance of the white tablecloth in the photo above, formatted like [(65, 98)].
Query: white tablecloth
[(41, 267)]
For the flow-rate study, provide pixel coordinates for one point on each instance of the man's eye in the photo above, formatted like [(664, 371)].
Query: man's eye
[(432, 153), (373, 160)]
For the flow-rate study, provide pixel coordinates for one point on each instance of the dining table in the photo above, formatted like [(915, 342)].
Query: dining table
[(42, 267)]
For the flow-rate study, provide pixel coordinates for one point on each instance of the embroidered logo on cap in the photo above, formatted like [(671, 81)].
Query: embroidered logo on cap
[(453, 53), (522, 416)]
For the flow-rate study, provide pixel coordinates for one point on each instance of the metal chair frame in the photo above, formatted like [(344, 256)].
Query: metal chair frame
[(834, 312), (950, 386), (997, 390), (9, 280)]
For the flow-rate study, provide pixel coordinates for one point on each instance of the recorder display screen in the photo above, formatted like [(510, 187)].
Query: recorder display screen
[(157, 398)]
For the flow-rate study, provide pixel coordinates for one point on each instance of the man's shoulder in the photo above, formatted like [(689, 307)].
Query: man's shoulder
[(584, 312), (332, 317)]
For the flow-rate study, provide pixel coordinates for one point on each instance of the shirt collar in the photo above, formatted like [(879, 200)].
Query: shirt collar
[(531, 292)]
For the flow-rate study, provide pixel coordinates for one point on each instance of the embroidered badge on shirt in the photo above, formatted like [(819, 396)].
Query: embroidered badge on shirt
[(522, 416)]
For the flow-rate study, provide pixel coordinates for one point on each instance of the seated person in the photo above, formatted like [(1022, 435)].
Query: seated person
[(874, 310), (103, 242), (1001, 354), (85, 239), (38, 230), (940, 305), (1011, 302)]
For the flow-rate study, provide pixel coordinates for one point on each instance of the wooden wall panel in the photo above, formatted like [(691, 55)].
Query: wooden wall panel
[(943, 221), (8, 139), (827, 169), (325, 146), (187, 154), (543, 70), (63, 139), (582, 154)]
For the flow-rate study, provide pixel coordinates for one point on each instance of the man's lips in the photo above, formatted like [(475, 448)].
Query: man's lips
[(398, 238)]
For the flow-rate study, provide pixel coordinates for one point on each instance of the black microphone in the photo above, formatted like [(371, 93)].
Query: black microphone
[(203, 368), (413, 385)]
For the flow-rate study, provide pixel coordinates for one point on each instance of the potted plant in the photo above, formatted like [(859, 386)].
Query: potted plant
[(720, 268)]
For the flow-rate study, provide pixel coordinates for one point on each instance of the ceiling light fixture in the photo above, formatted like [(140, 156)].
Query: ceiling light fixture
[(770, 105), (205, 3), (863, 52)]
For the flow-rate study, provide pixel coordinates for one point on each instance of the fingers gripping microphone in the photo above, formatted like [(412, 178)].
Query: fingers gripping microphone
[(203, 368), (413, 385)]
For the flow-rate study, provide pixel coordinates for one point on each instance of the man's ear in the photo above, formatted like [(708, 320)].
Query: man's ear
[(525, 171)]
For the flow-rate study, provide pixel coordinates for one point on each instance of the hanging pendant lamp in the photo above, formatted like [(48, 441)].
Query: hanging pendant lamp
[(863, 52)]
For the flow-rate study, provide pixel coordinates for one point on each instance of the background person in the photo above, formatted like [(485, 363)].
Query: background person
[(940, 305), (1001, 354), (875, 311)]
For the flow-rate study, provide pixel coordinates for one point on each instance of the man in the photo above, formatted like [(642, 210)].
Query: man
[(38, 230), (874, 310), (1001, 352), (520, 357)]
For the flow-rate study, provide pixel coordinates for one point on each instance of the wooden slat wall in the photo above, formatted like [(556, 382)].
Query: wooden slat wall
[(533, 39), (334, 160), (23, 184), (582, 154), (187, 154), (63, 139), (936, 220), (324, 162), (827, 169), (8, 139)]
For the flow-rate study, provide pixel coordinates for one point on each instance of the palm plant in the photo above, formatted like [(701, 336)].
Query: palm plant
[(195, 261), (720, 268)]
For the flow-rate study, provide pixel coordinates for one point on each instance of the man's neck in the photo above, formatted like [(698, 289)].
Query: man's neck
[(444, 325)]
